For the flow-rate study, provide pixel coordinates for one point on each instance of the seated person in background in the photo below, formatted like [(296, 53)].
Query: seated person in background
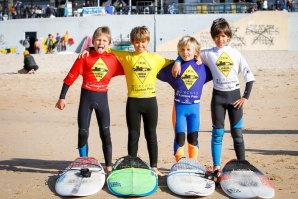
[(29, 63)]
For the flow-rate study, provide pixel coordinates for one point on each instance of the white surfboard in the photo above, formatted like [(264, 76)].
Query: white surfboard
[(83, 177), (240, 179), (188, 178)]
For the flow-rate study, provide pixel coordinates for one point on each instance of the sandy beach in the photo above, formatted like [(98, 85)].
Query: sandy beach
[(38, 140)]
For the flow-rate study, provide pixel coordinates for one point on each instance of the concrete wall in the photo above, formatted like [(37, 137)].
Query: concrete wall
[(259, 31)]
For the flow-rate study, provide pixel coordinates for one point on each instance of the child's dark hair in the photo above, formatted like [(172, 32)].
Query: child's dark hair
[(220, 25)]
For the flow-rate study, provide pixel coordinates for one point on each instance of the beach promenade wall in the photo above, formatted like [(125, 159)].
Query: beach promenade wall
[(258, 31)]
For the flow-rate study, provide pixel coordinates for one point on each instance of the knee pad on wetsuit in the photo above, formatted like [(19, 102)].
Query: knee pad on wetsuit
[(106, 136), (238, 143), (217, 135), (237, 136), (180, 139), (83, 137), (192, 138)]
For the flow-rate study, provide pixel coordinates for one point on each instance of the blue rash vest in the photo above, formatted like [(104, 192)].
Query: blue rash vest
[(189, 85)]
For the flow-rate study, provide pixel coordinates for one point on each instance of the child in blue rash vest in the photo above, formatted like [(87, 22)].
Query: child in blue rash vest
[(225, 64), (188, 89)]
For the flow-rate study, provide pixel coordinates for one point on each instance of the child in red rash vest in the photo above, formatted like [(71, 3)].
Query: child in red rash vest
[(97, 70)]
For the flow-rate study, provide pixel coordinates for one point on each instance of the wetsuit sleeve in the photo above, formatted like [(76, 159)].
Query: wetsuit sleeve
[(118, 67), (245, 70), (208, 74), (248, 88), (178, 59), (63, 91), (165, 74), (120, 55), (119, 70), (75, 71)]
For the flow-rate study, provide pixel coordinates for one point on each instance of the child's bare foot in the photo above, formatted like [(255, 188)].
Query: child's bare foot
[(108, 170), (216, 174), (158, 173), (215, 168)]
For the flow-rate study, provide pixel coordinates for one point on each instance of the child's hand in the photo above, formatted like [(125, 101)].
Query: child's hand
[(198, 60), (84, 53), (61, 104), (176, 69), (239, 103)]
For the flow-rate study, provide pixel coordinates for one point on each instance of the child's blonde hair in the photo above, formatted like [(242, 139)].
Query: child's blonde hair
[(104, 30), (139, 33), (189, 41)]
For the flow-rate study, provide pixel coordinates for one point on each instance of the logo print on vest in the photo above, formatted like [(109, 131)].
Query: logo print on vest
[(99, 69), (189, 77), (224, 64), (141, 69)]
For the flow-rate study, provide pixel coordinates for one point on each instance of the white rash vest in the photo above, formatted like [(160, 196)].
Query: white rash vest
[(225, 64)]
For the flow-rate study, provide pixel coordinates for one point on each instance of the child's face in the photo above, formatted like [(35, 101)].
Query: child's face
[(221, 40), (140, 45), (187, 52), (101, 43)]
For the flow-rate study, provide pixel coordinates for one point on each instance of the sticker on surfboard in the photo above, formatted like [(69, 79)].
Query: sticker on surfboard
[(240, 179), (131, 176), (188, 177), (83, 177)]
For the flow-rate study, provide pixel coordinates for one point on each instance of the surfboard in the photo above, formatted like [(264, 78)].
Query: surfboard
[(131, 176), (188, 177), (83, 177), (240, 179)]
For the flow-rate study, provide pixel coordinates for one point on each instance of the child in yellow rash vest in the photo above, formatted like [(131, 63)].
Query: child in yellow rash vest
[(140, 69)]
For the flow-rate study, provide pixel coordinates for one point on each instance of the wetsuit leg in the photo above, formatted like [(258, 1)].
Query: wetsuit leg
[(218, 111), (193, 145), (150, 117), (84, 116), (193, 127), (103, 119), (180, 128), (179, 143), (236, 116), (133, 120)]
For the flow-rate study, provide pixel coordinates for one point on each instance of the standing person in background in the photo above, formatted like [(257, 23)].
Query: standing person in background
[(225, 64), (64, 40), (49, 43), (97, 71), (265, 5), (36, 46), (165, 6), (1, 12), (58, 42)]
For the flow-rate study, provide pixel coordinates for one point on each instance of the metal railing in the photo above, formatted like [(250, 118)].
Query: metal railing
[(198, 8)]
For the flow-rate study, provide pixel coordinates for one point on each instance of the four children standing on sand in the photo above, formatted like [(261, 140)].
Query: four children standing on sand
[(141, 68)]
